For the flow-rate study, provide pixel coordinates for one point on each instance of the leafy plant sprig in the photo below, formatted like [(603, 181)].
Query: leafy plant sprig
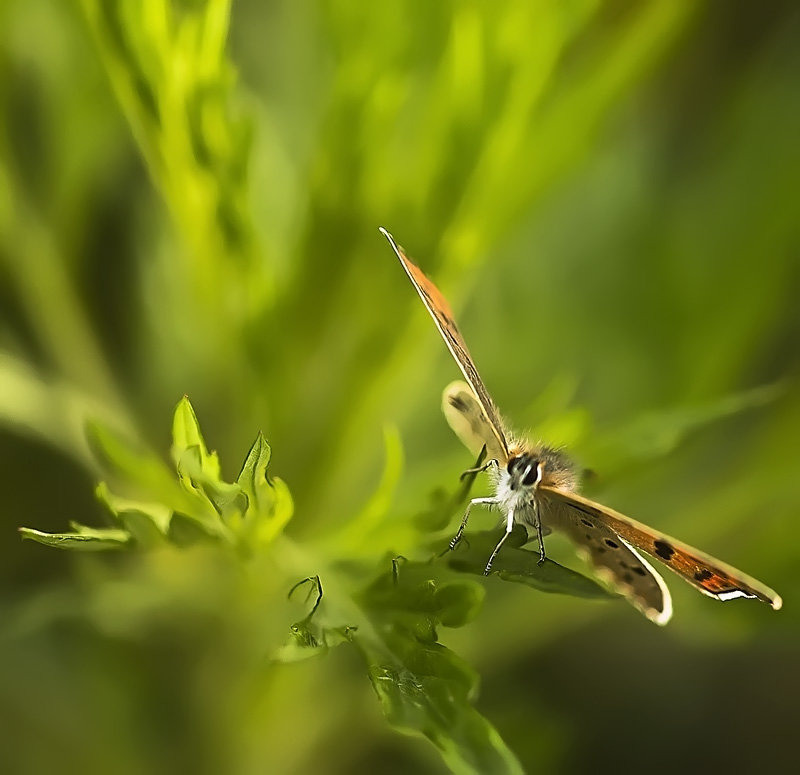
[(387, 607)]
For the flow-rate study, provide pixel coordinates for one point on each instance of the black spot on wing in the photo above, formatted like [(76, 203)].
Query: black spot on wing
[(458, 404), (615, 561), (703, 575), (664, 550)]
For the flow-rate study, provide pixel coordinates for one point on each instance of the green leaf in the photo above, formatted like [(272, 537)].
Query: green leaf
[(309, 639), (513, 563), (359, 532), (212, 497), (269, 502), (253, 476), (157, 513), (311, 636), (200, 504), (142, 528), (85, 539), (411, 596), (215, 504), (421, 703), (186, 436), (133, 466), (185, 530), (375, 510), (656, 434), (424, 688)]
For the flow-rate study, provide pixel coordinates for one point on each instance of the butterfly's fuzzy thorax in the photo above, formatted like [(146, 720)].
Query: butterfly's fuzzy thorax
[(558, 470), (516, 483)]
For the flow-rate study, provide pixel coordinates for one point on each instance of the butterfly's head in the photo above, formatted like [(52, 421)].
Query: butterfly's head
[(527, 468)]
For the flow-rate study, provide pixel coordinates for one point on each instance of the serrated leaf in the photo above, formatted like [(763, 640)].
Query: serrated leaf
[(514, 563), (253, 476), (87, 540), (409, 595), (269, 502), (423, 687), (424, 704)]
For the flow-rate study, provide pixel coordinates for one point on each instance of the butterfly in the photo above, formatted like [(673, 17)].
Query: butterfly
[(536, 485)]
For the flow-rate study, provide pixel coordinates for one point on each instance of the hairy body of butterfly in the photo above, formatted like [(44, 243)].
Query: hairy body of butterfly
[(524, 492), (516, 487), (536, 486)]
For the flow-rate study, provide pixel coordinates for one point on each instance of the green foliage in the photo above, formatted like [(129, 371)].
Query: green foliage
[(521, 566), (189, 200), (424, 688), (83, 539), (249, 513)]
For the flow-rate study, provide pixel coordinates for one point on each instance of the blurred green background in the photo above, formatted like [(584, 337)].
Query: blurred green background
[(190, 194)]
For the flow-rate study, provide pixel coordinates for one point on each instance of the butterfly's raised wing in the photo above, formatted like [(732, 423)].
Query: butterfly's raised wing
[(442, 315), (704, 572), (466, 417)]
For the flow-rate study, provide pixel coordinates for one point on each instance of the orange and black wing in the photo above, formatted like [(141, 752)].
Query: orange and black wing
[(704, 572), (442, 315)]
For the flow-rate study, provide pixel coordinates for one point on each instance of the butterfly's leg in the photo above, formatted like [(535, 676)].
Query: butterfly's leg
[(539, 532), (473, 502), (478, 469), (509, 528)]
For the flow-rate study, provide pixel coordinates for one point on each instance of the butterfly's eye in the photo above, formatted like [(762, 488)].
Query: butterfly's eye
[(533, 474), (524, 464)]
